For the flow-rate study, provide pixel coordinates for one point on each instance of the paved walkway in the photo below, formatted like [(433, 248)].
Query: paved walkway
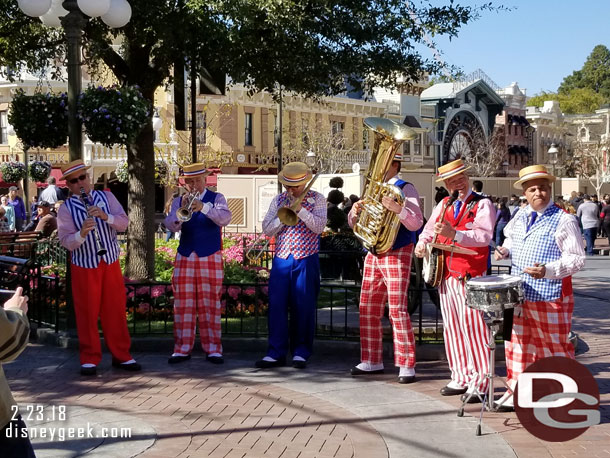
[(196, 409)]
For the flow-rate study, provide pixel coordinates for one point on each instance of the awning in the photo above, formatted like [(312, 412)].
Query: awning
[(55, 172), (411, 121), (212, 178), (4, 184)]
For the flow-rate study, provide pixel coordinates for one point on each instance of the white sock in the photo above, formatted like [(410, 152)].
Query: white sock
[(370, 367), (455, 385), (131, 361), (270, 359), (87, 365), (406, 372), (215, 355), (298, 358), (176, 354)]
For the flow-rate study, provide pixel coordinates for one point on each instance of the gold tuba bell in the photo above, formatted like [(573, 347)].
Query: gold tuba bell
[(377, 226)]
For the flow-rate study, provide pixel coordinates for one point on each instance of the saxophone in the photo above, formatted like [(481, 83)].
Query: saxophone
[(377, 226)]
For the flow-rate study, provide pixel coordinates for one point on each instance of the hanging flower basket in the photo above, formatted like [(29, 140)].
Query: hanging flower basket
[(12, 172), (40, 170), (114, 115), (40, 120), (121, 172)]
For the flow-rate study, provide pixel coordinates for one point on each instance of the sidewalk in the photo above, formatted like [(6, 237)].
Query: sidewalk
[(196, 409)]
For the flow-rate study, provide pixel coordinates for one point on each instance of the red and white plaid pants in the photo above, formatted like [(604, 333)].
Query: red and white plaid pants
[(386, 277), (466, 336), (197, 284), (540, 329)]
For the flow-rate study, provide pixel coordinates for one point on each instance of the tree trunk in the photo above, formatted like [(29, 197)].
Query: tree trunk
[(140, 260)]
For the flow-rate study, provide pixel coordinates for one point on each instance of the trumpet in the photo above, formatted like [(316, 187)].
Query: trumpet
[(185, 213), (288, 214), (101, 251)]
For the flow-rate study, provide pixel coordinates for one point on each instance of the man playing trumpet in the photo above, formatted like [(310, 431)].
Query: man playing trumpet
[(198, 272), (295, 275), (98, 288)]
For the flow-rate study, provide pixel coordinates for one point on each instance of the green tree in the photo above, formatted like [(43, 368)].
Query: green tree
[(578, 100), (594, 75), (313, 47)]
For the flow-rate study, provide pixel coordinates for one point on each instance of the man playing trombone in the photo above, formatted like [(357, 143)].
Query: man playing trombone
[(295, 274), (197, 281), (88, 230)]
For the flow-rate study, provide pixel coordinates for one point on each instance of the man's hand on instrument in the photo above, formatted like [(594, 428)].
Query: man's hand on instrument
[(98, 213), (197, 205), (357, 207), (18, 301), (389, 203), (88, 226), (420, 249), (500, 253), (444, 229), (537, 271)]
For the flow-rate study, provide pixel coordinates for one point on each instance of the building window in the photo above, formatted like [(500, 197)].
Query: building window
[(202, 127), (417, 146), (365, 139), (337, 128), (427, 145), (248, 129), (305, 132), (406, 148), (3, 127)]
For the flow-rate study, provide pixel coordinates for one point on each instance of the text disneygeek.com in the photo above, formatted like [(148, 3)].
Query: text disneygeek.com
[(62, 433)]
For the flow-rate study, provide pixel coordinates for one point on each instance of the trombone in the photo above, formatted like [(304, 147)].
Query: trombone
[(288, 214), (254, 251)]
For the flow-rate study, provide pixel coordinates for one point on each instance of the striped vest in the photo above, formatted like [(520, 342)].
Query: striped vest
[(86, 255), (537, 245), (298, 241)]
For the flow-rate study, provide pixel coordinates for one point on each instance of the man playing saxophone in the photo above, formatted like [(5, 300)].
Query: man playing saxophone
[(386, 278), (198, 271), (98, 288), (295, 274)]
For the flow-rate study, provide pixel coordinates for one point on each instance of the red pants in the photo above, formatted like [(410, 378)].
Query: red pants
[(100, 293), (466, 336), (540, 329), (197, 284), (386, 277)]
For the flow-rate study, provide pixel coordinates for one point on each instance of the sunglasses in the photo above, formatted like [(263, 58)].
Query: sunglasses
[(76, 180)]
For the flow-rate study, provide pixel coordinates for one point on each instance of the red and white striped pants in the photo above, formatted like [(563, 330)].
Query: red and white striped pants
[(197, 284), (540, 329), (386, 277), (466, 336)]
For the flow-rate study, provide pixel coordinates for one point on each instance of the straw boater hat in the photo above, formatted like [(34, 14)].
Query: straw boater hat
[(294, 174), (77, 166), (533, 172), (194, 170), (452, 169)]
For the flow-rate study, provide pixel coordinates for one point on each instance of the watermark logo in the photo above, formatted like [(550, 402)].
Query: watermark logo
[(557, 399)]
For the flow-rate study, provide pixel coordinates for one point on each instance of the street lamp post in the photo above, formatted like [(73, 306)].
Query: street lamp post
[(552, 154), (73, 16)]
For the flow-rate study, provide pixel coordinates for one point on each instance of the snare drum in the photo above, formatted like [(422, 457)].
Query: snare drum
[(494, 293)]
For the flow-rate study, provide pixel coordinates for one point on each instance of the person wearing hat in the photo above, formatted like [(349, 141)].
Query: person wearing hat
[(198, 271), (294, 282), (47, 222), (544, 244), (467, 222), (19, 207), (386, 278), (98, 288)]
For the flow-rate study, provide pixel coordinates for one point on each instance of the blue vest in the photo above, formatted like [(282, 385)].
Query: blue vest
[(200, 234), (86, 254), (405, 236), (537, 245)]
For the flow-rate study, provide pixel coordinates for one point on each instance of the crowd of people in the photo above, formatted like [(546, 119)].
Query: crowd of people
[(42, 214)]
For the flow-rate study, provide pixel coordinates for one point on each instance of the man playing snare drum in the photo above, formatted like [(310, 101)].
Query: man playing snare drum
[(545, 247), (469, 223)]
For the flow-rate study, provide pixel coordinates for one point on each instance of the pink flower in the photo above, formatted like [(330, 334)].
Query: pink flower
[(233, 291), (251, 291)]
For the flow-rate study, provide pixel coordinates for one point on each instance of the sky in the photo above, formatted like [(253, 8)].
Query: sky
[(537, 44)]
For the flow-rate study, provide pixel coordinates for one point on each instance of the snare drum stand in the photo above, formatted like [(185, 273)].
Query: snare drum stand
[(493, 319)]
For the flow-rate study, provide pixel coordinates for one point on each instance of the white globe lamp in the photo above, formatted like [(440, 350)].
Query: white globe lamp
[(94, 8), (118, 15), (34, 8)]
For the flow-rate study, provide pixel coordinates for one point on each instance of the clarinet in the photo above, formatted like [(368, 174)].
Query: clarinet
[(101, 251)]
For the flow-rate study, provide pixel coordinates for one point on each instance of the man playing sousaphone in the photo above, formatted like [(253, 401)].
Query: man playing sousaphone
[(295, 273), (386, 277), (545, 247), (468, 222)]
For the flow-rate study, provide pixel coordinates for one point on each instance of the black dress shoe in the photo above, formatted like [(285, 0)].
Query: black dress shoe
[(215, 359), (264, 364), (448, 391), (298, 364), (356, 371), (131, 367), (88, 370), (406, 379), (474, 399), (178, 359)]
